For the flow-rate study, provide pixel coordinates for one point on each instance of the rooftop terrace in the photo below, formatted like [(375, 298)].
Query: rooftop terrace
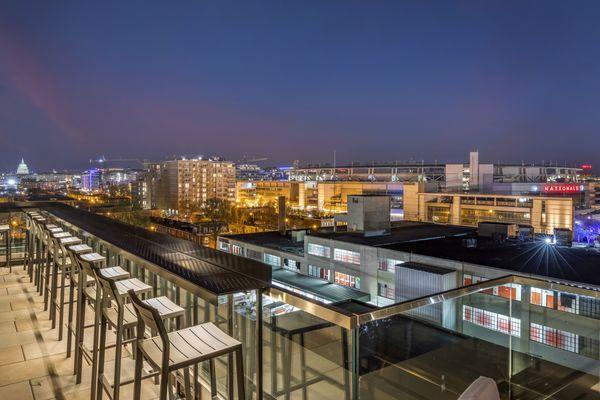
[(297, 347)]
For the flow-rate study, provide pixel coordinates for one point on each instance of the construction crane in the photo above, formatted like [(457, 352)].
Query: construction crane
[(102, 160), (245, 160)]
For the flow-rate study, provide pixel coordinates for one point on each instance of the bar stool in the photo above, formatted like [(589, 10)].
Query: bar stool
[(183, 348), (52, 270), (30, 242), (88, 262), (5, 231), (66, 268), (47, 229), (74, 276), (122, 318), (39, 250)]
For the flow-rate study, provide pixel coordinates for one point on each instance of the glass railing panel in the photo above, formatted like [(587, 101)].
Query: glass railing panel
[(304, 354), (16, 239), (528, 340), (558, 353), (301, 353)]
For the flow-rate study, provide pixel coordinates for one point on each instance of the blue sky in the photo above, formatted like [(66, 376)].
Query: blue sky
[(374, 80)]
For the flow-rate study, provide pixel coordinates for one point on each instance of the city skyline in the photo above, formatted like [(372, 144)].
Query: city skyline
[(377, 82)]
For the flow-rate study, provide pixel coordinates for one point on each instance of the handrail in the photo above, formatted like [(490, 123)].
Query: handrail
[(326, 312), (350, 320), (152, 267), (400, 308)]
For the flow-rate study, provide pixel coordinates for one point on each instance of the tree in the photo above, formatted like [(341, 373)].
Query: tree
[(216, 212)]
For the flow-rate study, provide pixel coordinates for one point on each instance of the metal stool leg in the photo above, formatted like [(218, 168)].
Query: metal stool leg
[(53, 288), (239, 365), (97, 314), (79, 327), (61, 304), (101, 353), (137, 383), (70, 313), (164, 383), (41, 266), (47, 278), (213, 378), (118, 354)]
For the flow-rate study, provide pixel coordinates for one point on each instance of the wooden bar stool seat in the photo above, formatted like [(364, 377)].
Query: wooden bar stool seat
[(166, 308), (190, 346)]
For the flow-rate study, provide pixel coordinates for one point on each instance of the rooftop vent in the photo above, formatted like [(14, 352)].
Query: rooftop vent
[(369, 214)]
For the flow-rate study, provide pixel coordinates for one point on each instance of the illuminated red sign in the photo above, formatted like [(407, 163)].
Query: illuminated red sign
[(562, 188), (586, 166)]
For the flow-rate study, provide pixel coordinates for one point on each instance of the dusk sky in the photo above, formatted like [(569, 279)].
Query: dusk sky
[(374, 80)]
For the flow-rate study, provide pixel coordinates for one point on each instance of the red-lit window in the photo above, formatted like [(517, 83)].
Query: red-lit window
[(492, 320), (550, 300)]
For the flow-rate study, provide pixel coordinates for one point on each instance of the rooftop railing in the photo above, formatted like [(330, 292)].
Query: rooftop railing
[(534, 337)]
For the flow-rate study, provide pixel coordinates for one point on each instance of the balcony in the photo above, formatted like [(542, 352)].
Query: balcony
[(523, 333)]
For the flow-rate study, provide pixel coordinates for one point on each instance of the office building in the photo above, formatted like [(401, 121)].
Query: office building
[(365, 254), (327, 197), (544, 212), (91, 180)]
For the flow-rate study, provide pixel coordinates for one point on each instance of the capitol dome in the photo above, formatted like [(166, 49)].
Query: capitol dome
[(22, 169)]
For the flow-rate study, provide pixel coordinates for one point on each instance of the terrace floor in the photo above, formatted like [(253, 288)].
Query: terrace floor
[(33, 363)]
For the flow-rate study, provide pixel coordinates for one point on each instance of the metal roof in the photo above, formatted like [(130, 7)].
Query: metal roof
[(216, 272), (319, 287)]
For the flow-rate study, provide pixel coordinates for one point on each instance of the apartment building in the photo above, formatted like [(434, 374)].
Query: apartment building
[(184, 185)]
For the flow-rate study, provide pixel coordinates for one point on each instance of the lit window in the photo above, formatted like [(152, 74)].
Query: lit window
[(510, 291), (542, 297), (292, 265), (272, 259), (388, 264), (319, 250), (347, 256), (383, 290), (318, 272), (237, 250), (347, 280), (553, 337), (493, 321), (223, 245)]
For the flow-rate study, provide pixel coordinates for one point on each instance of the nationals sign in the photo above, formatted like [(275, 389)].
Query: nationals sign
[(562, 188)]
